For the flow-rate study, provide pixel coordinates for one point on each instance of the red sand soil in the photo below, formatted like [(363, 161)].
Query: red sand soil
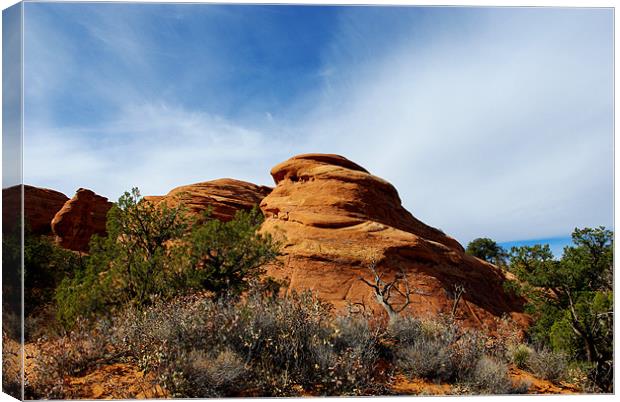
[(125, 381), (110, 381), (115, 381), (416, 386)]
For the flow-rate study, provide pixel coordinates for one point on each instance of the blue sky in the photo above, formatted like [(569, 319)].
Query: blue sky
[(491, 122), (556, 244)]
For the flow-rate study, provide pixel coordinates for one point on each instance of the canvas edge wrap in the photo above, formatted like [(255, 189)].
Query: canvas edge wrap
[(12, 203)]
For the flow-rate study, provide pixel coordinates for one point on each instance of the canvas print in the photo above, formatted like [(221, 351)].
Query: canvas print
[(231, 200)]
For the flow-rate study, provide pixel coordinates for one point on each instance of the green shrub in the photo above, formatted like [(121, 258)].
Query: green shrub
[(520, 355), (488, 250), (225, 257), (130, 265), (86, 293), (562, 338), (571, 299), (12, 285), (46, 265), (154, 251)]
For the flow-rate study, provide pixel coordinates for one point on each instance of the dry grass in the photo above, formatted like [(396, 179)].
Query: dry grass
[(548, 365), (263, 346)]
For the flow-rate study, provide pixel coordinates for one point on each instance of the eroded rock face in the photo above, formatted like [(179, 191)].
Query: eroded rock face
[(335, 219), (223, 196), (40, 206), (81, 217)]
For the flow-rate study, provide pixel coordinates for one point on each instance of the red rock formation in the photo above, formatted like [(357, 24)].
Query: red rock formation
[(81, 217), (334, 219), (224, 196), (40, 206)]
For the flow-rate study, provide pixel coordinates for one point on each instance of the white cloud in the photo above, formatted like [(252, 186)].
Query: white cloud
[(154, 147), (507, 136), (499, 131)]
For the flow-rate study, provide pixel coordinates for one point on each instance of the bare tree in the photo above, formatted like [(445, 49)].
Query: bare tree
[(456, 293), (383, 291)]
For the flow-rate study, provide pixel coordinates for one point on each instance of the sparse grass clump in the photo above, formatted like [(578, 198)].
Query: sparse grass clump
[(211, 375), (519, 355), (434, 350), (548, 365), (491, 377), (420, 351), (425, 359), (441, 351)]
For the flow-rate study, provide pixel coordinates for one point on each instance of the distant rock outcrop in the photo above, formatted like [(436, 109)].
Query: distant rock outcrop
[(223, 196), (40, 206), (335, 219), (85, 214), (81, 217)]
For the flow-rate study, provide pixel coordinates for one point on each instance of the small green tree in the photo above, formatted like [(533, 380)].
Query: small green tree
[(45, 263), (224, 257), (45, 266), (141, 236), (131, 264), (157, 251), (487, 250), (572, 299)]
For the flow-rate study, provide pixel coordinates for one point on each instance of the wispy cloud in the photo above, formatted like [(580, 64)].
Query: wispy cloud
[(490, 122), (504, 130), (153, 146)]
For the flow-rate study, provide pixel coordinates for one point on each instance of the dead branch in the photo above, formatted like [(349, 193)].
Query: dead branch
[(383, 291)]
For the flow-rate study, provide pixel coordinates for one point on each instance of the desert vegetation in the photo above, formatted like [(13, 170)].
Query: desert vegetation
[(265, 346), (161, 252), (571, 301), (187, 302)]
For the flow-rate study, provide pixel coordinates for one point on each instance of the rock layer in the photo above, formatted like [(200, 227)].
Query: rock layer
[(81, 217), (40, 206), (334, 219), (223, 196)]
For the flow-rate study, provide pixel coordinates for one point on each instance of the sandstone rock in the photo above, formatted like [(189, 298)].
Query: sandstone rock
[(224, 196), (334, 219), (81, 217), (40, 206)]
